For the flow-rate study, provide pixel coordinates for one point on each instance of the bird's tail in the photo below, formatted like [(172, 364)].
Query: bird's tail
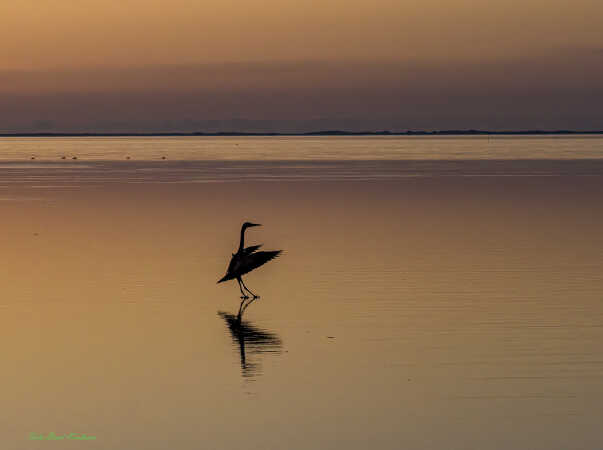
[(223, 279)]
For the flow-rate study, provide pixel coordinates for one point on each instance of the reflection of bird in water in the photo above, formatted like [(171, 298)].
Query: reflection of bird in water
[(245, 260), (251, 341)]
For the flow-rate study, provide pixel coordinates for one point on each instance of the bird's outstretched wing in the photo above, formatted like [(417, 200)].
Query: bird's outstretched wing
[(255, 260), (249, 250)]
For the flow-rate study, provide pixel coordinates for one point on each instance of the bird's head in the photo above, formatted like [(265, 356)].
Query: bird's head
[(249, 224)]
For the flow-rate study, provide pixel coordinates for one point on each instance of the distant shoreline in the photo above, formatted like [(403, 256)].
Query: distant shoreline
[(317, 133)]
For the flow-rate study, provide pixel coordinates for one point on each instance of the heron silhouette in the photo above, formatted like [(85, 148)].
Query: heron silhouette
[(245, 260)]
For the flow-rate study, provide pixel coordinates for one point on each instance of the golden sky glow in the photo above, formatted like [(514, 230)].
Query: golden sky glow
[(261, 60), (41, 34)]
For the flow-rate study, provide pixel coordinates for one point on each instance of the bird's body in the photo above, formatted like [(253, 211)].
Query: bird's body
[(245, 260)]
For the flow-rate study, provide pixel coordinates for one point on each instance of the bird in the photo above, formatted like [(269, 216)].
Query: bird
[(245, 260)]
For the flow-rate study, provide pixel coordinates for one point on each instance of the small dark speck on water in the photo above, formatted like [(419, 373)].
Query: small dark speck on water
[(163, 157), (330, 337), (33, 157), (63, 157), (36, 234), (75, 157)]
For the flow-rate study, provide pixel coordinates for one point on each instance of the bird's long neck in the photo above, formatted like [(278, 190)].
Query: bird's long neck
[(242, 244)]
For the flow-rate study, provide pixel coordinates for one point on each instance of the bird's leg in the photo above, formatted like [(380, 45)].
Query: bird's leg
[(247, 289), (243, 295)]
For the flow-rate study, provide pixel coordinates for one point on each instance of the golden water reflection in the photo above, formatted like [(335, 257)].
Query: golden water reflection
[(467, 305)]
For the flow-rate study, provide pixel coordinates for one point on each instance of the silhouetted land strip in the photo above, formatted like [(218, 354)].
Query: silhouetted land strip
[(321, 133)]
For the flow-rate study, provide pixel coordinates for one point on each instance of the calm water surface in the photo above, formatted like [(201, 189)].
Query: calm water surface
[(441, 294)]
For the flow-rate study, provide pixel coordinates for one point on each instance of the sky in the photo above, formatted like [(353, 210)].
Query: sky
[(184, 65)]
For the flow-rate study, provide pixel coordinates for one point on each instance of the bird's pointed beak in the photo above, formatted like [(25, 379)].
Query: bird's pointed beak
[(255, 225)]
